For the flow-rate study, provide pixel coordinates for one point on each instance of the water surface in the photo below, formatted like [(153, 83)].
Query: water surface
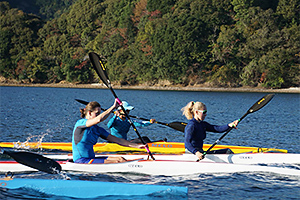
[(29, 113)]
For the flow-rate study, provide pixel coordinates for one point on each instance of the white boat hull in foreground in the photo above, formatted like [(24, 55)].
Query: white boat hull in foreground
[(172, 167), (242, 158), (179, 164)]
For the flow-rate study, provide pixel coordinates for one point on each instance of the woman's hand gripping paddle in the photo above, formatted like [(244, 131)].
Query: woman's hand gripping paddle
[(101, 71), (258, 105)]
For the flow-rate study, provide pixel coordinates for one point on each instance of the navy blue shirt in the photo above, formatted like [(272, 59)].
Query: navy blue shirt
[(195, 133)]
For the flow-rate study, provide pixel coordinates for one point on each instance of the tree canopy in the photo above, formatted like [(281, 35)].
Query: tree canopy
[(229, 43)]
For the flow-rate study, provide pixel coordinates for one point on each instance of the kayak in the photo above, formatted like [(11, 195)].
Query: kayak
[(89, 189), (175, 164), (155, 147)]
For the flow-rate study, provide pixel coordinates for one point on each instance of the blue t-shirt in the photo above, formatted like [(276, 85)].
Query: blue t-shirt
[(84, 138), (195, 133), (120, 128)]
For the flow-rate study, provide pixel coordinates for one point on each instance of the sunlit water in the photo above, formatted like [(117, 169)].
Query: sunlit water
[(49, 114)]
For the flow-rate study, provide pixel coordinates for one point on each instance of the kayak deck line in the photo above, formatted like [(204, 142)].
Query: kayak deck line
[(242, 158), (174, 168), (90, 189), (157, 147)]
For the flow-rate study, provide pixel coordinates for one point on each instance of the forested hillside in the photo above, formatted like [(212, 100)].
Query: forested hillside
[(229, 43)]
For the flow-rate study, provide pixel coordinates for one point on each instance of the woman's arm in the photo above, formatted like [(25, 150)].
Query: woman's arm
[(143, 124), (102, 116), (111, 122), (221, 129)]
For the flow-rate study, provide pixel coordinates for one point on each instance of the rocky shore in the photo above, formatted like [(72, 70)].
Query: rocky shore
[(159, 87)]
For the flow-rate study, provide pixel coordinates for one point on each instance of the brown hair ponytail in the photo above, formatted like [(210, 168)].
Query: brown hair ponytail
[(91, 106)]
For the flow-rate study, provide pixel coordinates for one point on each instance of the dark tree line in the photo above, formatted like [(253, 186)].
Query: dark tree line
[(217, 42)]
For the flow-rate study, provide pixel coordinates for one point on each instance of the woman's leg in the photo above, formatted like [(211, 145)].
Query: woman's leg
[(111, 159)]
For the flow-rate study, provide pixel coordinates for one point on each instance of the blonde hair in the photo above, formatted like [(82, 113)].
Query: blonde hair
[(191, 107), (91, 106)]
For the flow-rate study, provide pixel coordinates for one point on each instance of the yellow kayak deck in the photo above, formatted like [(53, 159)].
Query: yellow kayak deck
[(155, 147)]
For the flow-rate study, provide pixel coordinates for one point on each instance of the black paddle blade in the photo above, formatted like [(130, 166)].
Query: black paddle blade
[(99, 68), (35, 161), (179, 126), (82, 101), (261, 103)]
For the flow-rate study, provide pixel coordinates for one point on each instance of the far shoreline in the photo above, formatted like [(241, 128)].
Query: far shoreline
[(294, 90)]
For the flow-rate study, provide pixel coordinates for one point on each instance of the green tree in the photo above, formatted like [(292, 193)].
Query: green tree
[(289, 10), (19, 34), (36, 66)]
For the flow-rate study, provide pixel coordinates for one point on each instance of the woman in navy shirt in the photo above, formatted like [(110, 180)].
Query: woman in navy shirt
[(195, 130)]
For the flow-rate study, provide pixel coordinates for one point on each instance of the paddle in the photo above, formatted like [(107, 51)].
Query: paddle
[(101, 71), (258, 105), (35, 161), (179, 126)]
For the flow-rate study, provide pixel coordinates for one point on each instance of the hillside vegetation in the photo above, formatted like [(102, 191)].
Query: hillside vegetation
[(228, 43)]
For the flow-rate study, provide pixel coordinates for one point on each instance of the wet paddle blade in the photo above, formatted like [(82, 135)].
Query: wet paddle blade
[(35, 161)]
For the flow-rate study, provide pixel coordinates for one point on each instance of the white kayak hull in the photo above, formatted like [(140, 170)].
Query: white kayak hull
[(177, 164), (173, 168), (159, 167), (13, 166), (89, 189), (243, 158)]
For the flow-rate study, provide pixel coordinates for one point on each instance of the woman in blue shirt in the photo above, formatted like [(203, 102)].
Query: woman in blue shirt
[(119, 124), (86, 133), (195, 130)]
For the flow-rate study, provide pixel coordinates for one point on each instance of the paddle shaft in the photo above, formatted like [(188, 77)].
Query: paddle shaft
[(217, 141), (131, 123), (101, 71), (258, 105)]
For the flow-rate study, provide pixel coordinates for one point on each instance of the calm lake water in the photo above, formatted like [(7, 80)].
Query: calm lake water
[(29, 113)]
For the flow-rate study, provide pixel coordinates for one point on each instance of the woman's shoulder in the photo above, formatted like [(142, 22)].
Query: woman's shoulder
[(191, 122), (196, 122), (81, 121)]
